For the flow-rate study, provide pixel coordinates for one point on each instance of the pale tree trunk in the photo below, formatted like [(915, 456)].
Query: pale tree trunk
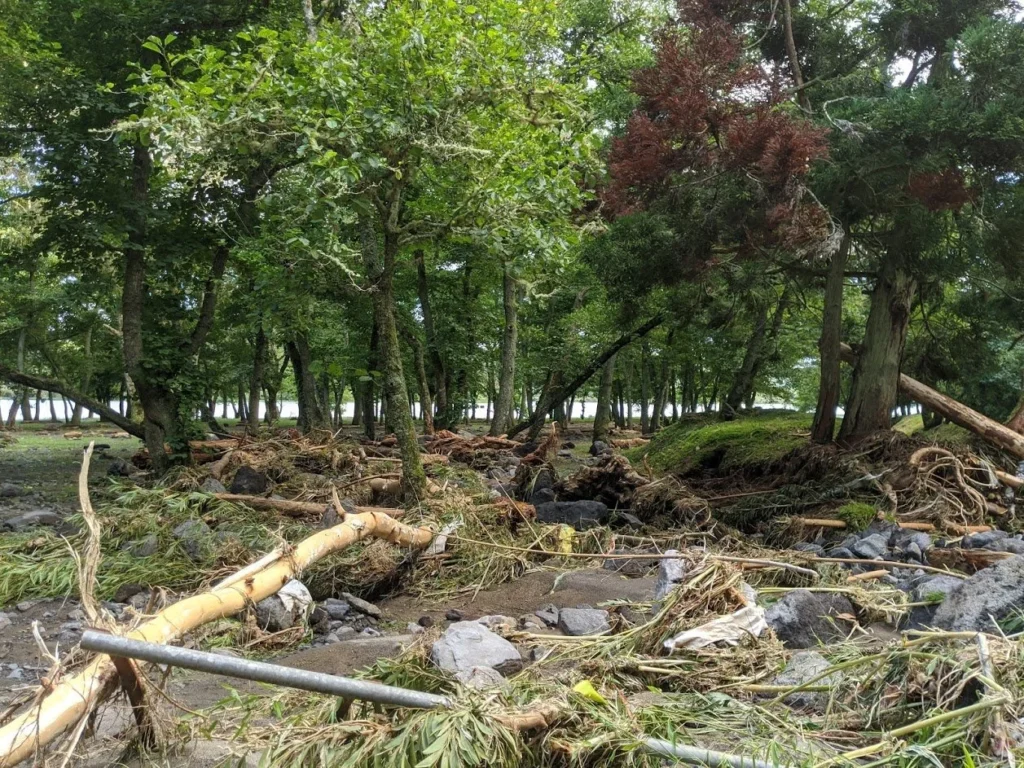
[(645, 387), (381, 272), (509, 339), (368, 389), (830, 382), (53, 410), (876, 375), (603, 416), (259, 359), (76, 417)]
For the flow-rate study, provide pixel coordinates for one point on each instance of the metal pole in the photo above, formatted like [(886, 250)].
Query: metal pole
[(708, 757), (345, 687)]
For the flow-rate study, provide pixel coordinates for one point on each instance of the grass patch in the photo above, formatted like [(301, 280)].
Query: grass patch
[(857, 515), (687, 446)]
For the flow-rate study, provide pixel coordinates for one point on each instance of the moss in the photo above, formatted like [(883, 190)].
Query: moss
[(724, 445), (857, 515), (909, 425), (948, 434)]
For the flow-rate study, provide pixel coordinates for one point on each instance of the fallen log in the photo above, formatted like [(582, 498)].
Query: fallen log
[(987, 429), (77, 696)]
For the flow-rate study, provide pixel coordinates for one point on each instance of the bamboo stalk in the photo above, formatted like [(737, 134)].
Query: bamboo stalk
[(1007, 479), (820, 522), (76, 696), (869, 576)]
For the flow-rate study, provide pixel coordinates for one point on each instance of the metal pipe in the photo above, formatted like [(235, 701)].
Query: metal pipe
[(709, 757), (259, 671)]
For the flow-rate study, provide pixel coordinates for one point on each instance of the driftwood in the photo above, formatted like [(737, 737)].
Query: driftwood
[(987, 429), (75, 697), (612, 481)]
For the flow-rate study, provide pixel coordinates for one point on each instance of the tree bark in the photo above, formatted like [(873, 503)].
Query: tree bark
[(381, 272), (509, 339), (311, 415), (645, 387), (988, 429), (744, 378), (794, 60), (259, 358), (1016, 421), (557, 394), (603, 415), (422, 382), (829, 385), (876, 375), (368, 388), (434, 358)]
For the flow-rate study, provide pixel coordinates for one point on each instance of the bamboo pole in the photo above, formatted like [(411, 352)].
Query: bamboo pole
[(76, 696)]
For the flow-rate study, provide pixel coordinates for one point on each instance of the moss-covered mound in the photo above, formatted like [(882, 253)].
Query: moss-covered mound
[(689, 446)]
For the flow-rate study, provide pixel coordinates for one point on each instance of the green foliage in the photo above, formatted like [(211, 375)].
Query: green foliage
[(695, 444), (857, 515)]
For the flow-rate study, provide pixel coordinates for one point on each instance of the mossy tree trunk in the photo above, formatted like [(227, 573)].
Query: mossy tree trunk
[(603, 415), (509, 338), (830, 380)]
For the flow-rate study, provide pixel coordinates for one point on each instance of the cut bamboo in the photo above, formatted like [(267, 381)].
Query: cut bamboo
[(76, 697), (820, 522), (1007, 479), (869, 576)]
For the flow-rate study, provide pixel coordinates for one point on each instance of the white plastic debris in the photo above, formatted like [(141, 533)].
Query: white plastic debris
[(295, 597), (731, 630)]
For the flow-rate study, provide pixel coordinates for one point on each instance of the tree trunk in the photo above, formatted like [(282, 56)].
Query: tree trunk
[(53, 410), (311, 415), (509, 340), (794, 62), (368, 387), (645, 387), (876, 375), (422, 382), (381, 272), (988, 429), (1016, 422), (830, 382), (743, 381), (558, 394), (436, 362), (259, 359), (620, 412), (603, 415)]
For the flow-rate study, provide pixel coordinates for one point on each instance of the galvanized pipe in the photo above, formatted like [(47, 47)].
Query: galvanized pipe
[(706, 757), (345, 687)]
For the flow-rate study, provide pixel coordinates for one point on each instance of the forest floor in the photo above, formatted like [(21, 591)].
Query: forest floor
[(794, 584)]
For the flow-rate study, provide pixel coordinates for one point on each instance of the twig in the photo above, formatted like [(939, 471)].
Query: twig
[(888, 564)]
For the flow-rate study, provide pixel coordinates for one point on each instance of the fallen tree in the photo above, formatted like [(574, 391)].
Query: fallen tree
[(54, 385), (76, 697), (987, 429)]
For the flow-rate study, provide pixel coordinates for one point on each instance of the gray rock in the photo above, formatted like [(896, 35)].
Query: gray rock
[(806, 546), (370, 632), (120, 468), (195, 538), (581, 515), (933, 590), (529, 621), (480, 678), (548, 614), (212, 485), (25, 605), (362, 606), (804, 666), (914, 552), (344, 633), (497, 621), (147, 546), (983, 539), (803, 619), (335, 608), (249, 481), (275, 614), (412, 628), (908, 539), (10, 490), (467, 644), (1014, 546), (987, 597), (671, 573), (32, 519), (5, 621), (873, 547), (842, 552), (628, 519), (600, 448), (633, 566), (583, 621)]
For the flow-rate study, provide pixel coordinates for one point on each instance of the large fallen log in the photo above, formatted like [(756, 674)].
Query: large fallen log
[(987, 429), (77, 696)]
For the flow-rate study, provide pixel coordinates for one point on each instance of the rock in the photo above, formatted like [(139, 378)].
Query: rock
[(600, 448), (331, 517), (583, 621), (671, 573), (362, 605), (370, 632), (565, 453), (319, 621), (5, 621), (543, 496), (601, 586), (336, 609), (841, 552), (467, 644), (287, 608), (147, 546), (453, 614), (10, 490), (987, 597), (32, 519), (425, 621), (497, 621), (933, 590), (412, 628), (804, 666), (120, 468), (212, 485), (548, 614), (195, 538), (344, 633), (1014, 546), (127, 591), (803, 619), (25, 606), (873, 547), (627, 519), (811, 549), (249, 481), (914, 552), (982, 540), (581, 515), (633, 566), (539, 653), (528, 622), (480, 678)]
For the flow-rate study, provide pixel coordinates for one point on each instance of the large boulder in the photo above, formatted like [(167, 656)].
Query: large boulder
[(581, 515), (986, 598), (805, 619), (32, 519), (468, 644), (249, 481)]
